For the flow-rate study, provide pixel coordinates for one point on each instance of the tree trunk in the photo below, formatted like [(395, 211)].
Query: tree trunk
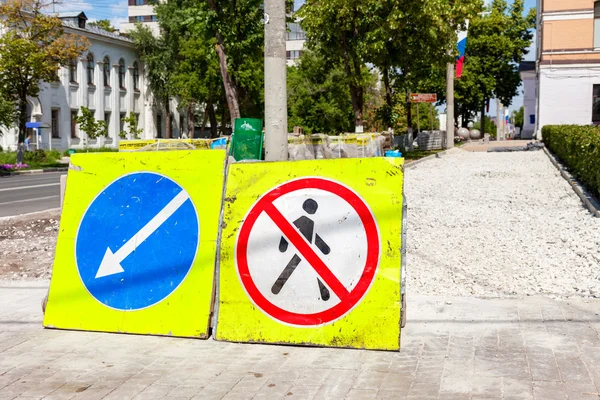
[(354, 89), (22, 128), (168, 130), (204, 119), (409, 120), (213, 120), (388, 96), (223, 118), (483, 117), (231, 91), (191, 122)]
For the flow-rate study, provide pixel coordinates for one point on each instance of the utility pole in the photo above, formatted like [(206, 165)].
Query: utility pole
[(450, 106), (276, 129)]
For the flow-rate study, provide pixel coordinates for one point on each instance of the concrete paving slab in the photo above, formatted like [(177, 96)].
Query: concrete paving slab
[(529, 348)]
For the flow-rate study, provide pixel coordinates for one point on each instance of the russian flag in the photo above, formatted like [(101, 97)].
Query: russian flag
[(462, 47)]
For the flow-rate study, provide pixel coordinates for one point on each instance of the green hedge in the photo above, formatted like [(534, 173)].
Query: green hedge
[(93, 150), (578, 147)]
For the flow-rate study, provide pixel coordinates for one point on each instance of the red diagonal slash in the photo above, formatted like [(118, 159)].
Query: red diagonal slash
[(302, 245)]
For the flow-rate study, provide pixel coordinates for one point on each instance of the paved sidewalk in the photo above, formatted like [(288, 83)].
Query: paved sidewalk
[(459, 348)]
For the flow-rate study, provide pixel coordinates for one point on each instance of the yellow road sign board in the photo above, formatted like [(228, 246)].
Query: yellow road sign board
[(137, 243), (311, 253)]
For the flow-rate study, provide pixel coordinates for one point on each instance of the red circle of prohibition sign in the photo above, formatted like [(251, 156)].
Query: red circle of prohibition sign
[(348, 298)]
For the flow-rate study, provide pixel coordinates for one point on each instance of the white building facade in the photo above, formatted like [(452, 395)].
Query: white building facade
[(528, 75), (568, 63), (109, 80), (141, 11), (295, 43)]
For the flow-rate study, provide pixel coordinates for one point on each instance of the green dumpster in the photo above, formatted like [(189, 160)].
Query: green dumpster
[(71, 151), (247, 139)]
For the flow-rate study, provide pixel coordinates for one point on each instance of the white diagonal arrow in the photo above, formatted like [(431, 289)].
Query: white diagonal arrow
[(111, 263)]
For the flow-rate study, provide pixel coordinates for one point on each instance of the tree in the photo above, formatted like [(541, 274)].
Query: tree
[(88, 124), (235, 31), (159, 56), (32, 49), (318, 98), (103, 24), (131, 129), (196, 75), (336, 30), (519, 117), (7, 113), (410, 43), (497, 43)]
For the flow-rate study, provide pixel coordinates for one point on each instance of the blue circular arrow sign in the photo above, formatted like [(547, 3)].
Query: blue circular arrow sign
[(137, 241)]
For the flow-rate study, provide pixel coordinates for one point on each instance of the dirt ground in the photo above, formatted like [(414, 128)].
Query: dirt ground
[(27, 245)]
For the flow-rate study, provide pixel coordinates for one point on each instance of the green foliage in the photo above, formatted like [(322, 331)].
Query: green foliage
[(103, 24), (131, 127), (32, 49), (88, 124), (92, 150), (497, 43), (196, 31), (8, 113), (520, 117), (579, 148), (490, 126), (408, 41), (35, 159), (318, 99)]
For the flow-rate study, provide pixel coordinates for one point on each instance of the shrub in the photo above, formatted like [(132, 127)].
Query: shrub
[(93, 150), (36, 156), (579, 149)]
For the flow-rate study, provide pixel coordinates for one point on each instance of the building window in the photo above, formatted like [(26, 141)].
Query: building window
[(90, 69), (107, 121), (73, 71), (159, 126), (597, 24), (295, 32), (140, 2), (73, 124), (596, 106), (122, 116), (293, 54), (136, 76), (55, 131), (122, 73), (106, 72), (139, 18), (154, 18)]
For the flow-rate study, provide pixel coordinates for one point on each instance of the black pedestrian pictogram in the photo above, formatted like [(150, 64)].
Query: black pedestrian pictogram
[(306, 226)]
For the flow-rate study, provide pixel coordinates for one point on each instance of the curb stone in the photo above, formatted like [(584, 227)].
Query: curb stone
[(412, 164), (586, 197), (39, 171)]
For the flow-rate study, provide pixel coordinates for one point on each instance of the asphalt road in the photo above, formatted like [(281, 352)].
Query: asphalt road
[(23, 194)]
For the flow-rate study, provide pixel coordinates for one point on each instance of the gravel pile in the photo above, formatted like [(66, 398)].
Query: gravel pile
[(498, 225), (27, 245)]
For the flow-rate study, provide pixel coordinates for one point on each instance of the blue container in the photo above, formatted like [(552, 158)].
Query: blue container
[(219, 144), (393, 153)]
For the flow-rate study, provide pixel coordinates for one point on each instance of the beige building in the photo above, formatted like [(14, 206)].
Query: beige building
[(140, 11), (568, 62)]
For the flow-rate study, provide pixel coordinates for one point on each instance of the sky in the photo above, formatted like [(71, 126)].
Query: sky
[(116, 12)]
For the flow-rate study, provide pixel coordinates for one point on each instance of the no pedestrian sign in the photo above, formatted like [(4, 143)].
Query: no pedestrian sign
[(308, 251)]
